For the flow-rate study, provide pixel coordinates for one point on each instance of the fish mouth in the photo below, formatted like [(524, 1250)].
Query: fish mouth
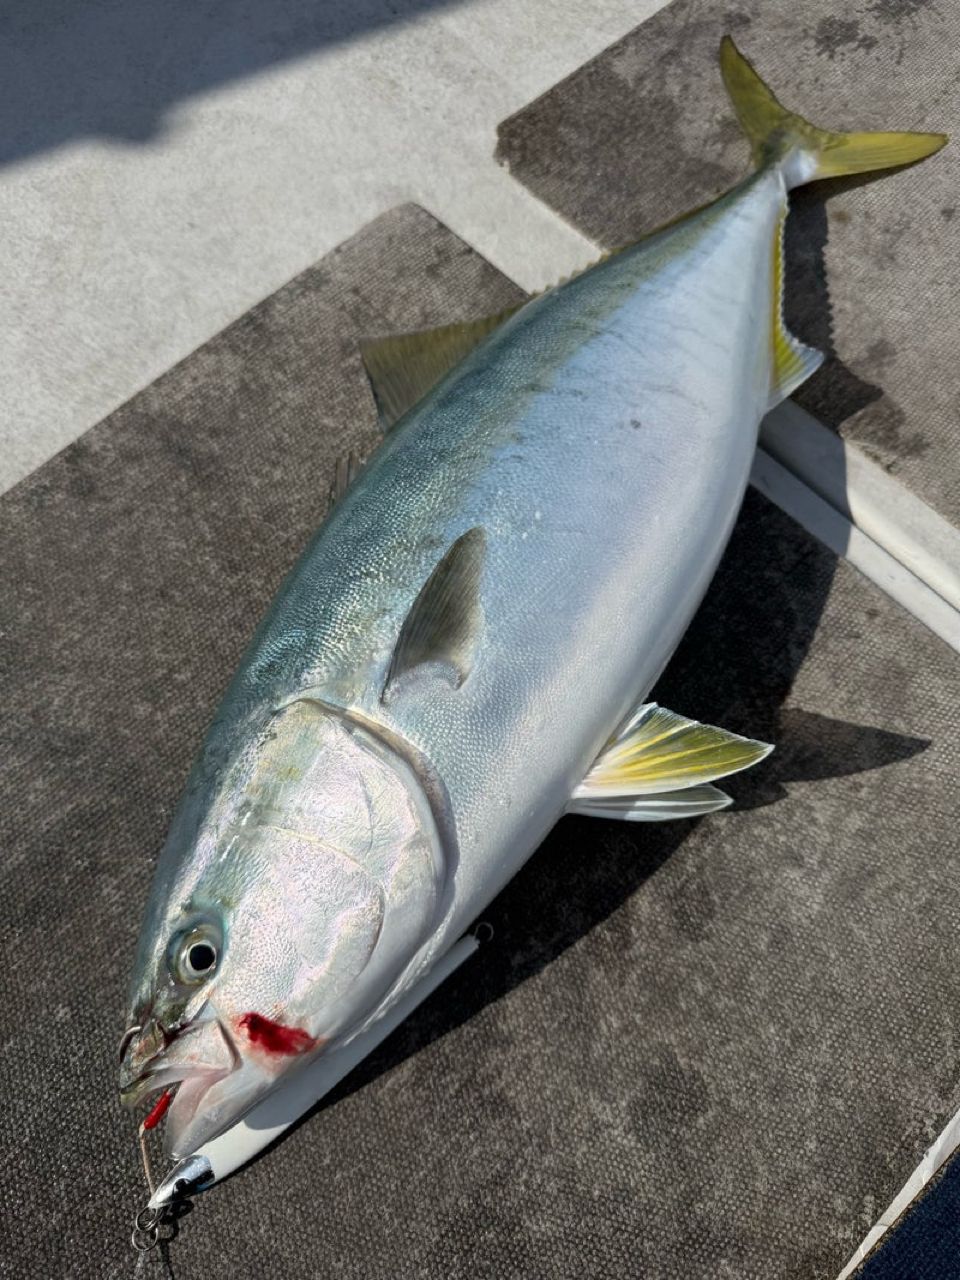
[(189, 1086), (190, 1078), (173, 1077)]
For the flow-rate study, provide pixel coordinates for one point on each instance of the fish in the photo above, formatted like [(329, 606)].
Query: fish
[(466, 649)]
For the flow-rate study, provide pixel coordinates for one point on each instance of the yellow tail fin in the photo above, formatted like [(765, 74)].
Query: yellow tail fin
[(805, 152)]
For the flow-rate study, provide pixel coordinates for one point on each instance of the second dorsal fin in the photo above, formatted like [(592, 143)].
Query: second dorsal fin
[(405, 366)]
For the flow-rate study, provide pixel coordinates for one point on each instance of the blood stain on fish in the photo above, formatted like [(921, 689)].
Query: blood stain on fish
[(275, 1037)]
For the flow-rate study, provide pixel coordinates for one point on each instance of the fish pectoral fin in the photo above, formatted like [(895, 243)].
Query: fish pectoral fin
[(662, 806), (659, 753), (442, 627), (404, 367)]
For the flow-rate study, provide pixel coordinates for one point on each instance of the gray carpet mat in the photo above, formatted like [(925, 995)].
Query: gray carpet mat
[(644, 132), (695, 1050)]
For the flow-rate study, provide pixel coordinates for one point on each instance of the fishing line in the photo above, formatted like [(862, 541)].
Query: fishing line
[(146, 1226)]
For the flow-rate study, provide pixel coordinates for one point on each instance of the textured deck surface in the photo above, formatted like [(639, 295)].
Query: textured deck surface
[(644, 132), (698, 1050), (163, 169)]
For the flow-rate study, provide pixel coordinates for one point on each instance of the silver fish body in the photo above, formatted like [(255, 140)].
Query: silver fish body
[(605, 511), (347, 820)]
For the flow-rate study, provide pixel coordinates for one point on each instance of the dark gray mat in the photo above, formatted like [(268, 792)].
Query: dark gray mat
[(694, 1051), (644, 132)]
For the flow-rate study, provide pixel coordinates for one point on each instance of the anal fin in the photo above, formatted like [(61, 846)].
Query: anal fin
[(793, 361)]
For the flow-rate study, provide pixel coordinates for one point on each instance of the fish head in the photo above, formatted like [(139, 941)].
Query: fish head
[(283, 910)]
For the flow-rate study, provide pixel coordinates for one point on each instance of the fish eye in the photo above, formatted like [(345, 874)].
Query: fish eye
[(200, 957), (196, 955)]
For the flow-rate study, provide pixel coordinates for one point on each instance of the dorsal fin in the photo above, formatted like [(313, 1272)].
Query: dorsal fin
[(442, 627), (659, 751), (348, 467), (405, 366), (793, 360)]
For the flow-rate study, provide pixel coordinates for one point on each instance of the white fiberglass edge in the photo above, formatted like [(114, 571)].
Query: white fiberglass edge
[(884, 508), (836, 531), (912, 554), (282, 1108), (934, 1158)]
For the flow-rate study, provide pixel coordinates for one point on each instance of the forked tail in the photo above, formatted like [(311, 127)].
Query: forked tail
[(804, 152)]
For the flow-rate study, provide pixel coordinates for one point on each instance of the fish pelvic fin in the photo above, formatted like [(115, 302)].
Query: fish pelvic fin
[(803, 151), (663, 806), (661, 765)]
